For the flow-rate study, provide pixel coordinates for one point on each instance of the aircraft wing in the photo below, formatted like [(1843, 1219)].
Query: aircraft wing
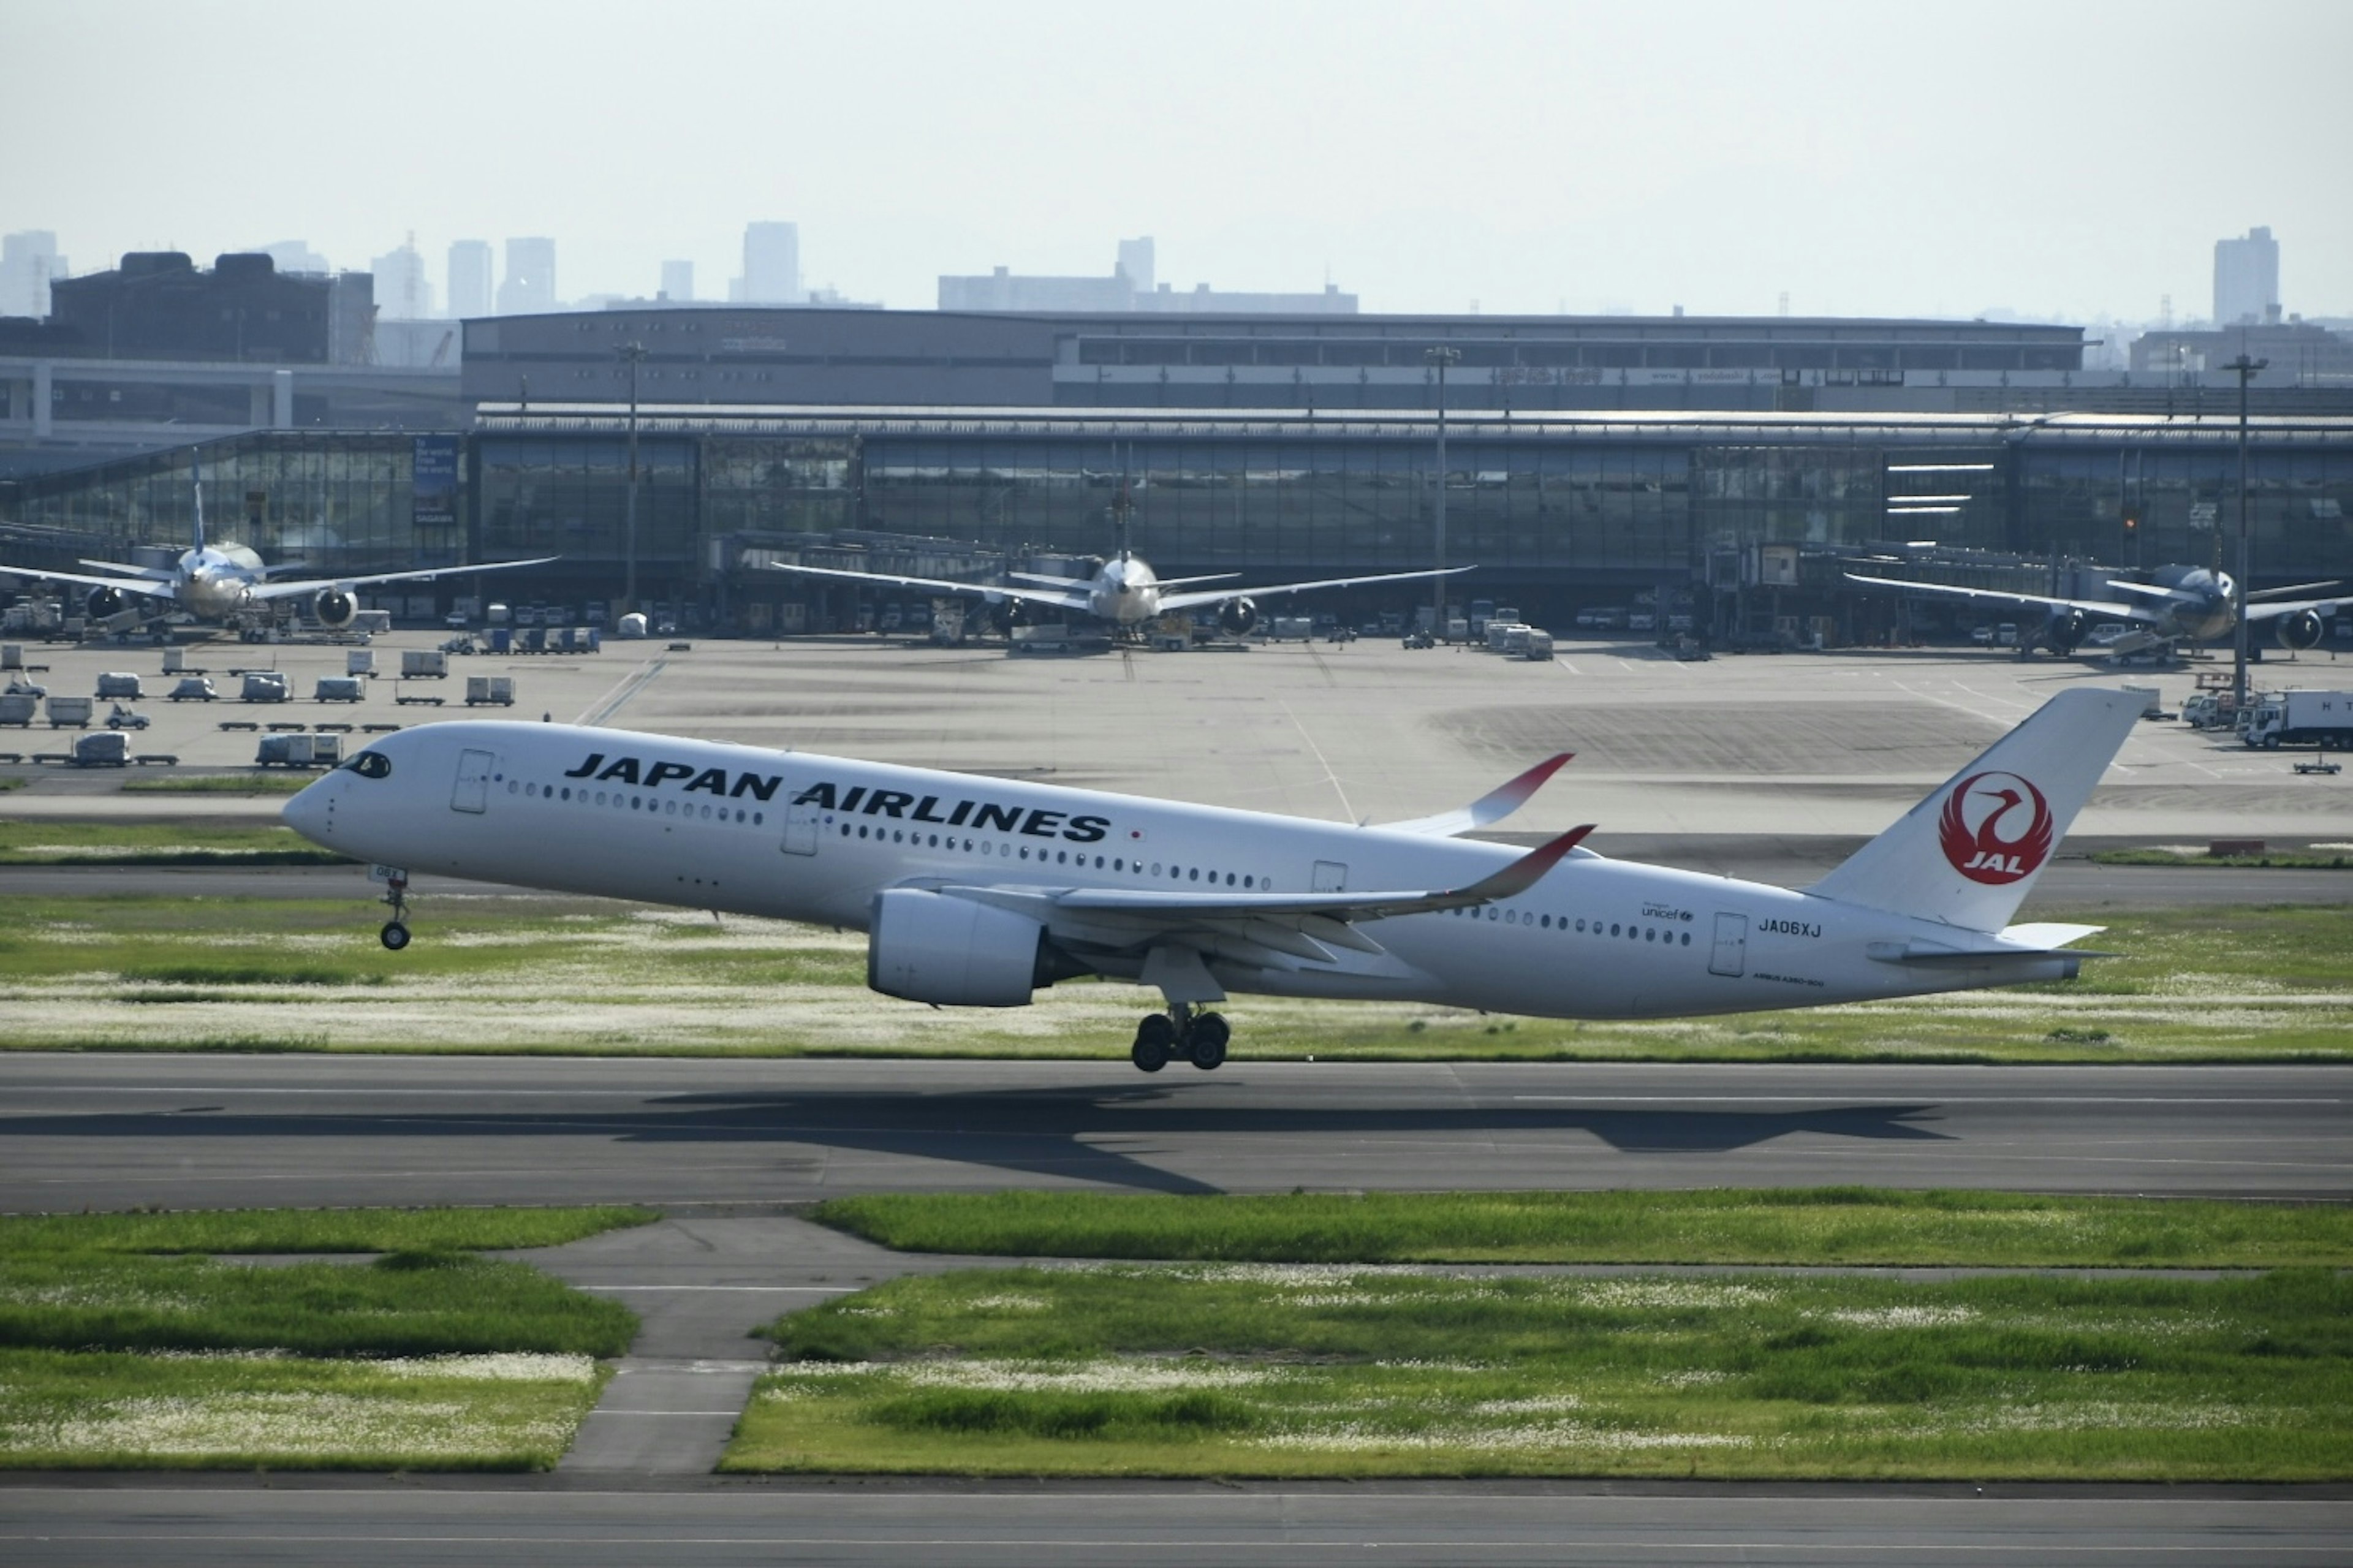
[(1514, 879), (2256, 613), (1493, 807), (1060, 599), (2258, 593), (146, 573), (141, 586), (2108, 607), (1219, 595), (313, 585)]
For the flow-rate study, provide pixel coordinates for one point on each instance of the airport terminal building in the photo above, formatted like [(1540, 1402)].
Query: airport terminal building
[(1559, 509)]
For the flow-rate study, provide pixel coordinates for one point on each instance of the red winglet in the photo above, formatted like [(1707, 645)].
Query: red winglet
[(1524, 872), (1507, 798)]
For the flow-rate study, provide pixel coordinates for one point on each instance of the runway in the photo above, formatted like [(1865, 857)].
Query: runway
[(109, 1132), (194, 1523)]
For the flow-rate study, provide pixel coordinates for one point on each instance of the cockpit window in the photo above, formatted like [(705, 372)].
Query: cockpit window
[(371, 765)]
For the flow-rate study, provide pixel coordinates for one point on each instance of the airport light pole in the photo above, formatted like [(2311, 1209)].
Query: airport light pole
[(635, 353), (2245, 369), (1440, 357)]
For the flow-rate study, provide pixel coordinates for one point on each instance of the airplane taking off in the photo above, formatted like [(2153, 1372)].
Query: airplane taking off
[(976, 892), (2186, 604), (229, 582), (1126, 592)]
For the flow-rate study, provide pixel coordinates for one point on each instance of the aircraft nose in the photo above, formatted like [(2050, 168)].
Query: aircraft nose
[(310, 813)]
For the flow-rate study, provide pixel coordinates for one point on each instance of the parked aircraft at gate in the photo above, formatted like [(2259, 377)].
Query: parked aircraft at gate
[(1126, 592), (229, 582), (977, 891), (2186, 604)]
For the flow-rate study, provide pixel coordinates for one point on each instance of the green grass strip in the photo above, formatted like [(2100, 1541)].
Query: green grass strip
[(53, 843), (313, 1230), (403, 1304), (265, 1410), (219, 783), (1796, 1227), (2284, 859), (1252, 1370)]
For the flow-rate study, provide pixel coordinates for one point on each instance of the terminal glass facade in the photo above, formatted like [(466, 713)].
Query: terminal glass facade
[(1578, 509), (344, 502)]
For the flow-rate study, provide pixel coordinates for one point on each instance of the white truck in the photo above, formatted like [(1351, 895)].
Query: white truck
[(2323, 719)]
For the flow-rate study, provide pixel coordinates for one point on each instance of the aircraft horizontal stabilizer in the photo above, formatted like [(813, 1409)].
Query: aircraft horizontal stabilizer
[(1493, 807)]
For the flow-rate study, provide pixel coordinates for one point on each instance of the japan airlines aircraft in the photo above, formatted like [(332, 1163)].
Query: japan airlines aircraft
[(1125, 593), (2186, 604), (976, 892), (229, 582)]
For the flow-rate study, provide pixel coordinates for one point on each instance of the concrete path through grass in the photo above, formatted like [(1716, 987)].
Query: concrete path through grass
[(703, 1284)]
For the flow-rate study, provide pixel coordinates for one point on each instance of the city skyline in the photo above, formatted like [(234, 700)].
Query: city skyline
[(1508, 158)]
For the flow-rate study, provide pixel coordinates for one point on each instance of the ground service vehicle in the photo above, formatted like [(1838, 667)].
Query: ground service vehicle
[(2323, 719)]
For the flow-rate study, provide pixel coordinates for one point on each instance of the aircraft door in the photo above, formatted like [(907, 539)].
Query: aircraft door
[(800, 828), (1731, 955), (473, 791), (1330, 877)]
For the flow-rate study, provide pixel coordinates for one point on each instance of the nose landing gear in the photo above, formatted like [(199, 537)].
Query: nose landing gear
[(1199, 1037), (395, 935)]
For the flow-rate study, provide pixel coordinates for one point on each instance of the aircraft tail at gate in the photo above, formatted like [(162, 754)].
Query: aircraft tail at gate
[(1969, 853)]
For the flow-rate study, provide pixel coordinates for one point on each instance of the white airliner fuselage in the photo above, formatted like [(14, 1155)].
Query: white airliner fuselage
[(977, 890)]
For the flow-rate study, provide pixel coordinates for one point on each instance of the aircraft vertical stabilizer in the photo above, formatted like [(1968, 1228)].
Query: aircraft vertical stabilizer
[(1969, 854)]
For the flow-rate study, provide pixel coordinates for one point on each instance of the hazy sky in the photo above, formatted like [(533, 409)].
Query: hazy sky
[(2060, 161)]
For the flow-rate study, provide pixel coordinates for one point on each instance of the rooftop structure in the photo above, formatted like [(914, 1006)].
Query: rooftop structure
[(1129, 287)]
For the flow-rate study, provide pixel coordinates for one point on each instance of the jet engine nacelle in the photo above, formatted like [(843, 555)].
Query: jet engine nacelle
[(1238, 617), (2299, 631), (333, 607), (105, 603), (2066, 630), (955, 953)]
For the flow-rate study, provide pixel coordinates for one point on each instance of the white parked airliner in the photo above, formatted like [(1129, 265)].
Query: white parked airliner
[(1124, 592), (976, 892), (229, 582)]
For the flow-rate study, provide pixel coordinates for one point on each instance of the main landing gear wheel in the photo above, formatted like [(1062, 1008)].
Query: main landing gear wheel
[(1199, 1038), (395, 935), (1204, 1042), (1155, 1042)]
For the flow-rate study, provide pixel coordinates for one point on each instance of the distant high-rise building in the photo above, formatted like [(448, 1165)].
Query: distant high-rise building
[(1135, 263), (402, 292), (2246, 278), (30, 263), (470, 278), (292, 256), (772, 264), (678, 282), (530, 285)]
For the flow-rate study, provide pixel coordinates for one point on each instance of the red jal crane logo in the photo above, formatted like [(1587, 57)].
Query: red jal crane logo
[(1996, 829)]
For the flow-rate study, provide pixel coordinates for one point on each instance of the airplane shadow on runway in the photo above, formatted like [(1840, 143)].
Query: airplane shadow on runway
[(1077, 1135)]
